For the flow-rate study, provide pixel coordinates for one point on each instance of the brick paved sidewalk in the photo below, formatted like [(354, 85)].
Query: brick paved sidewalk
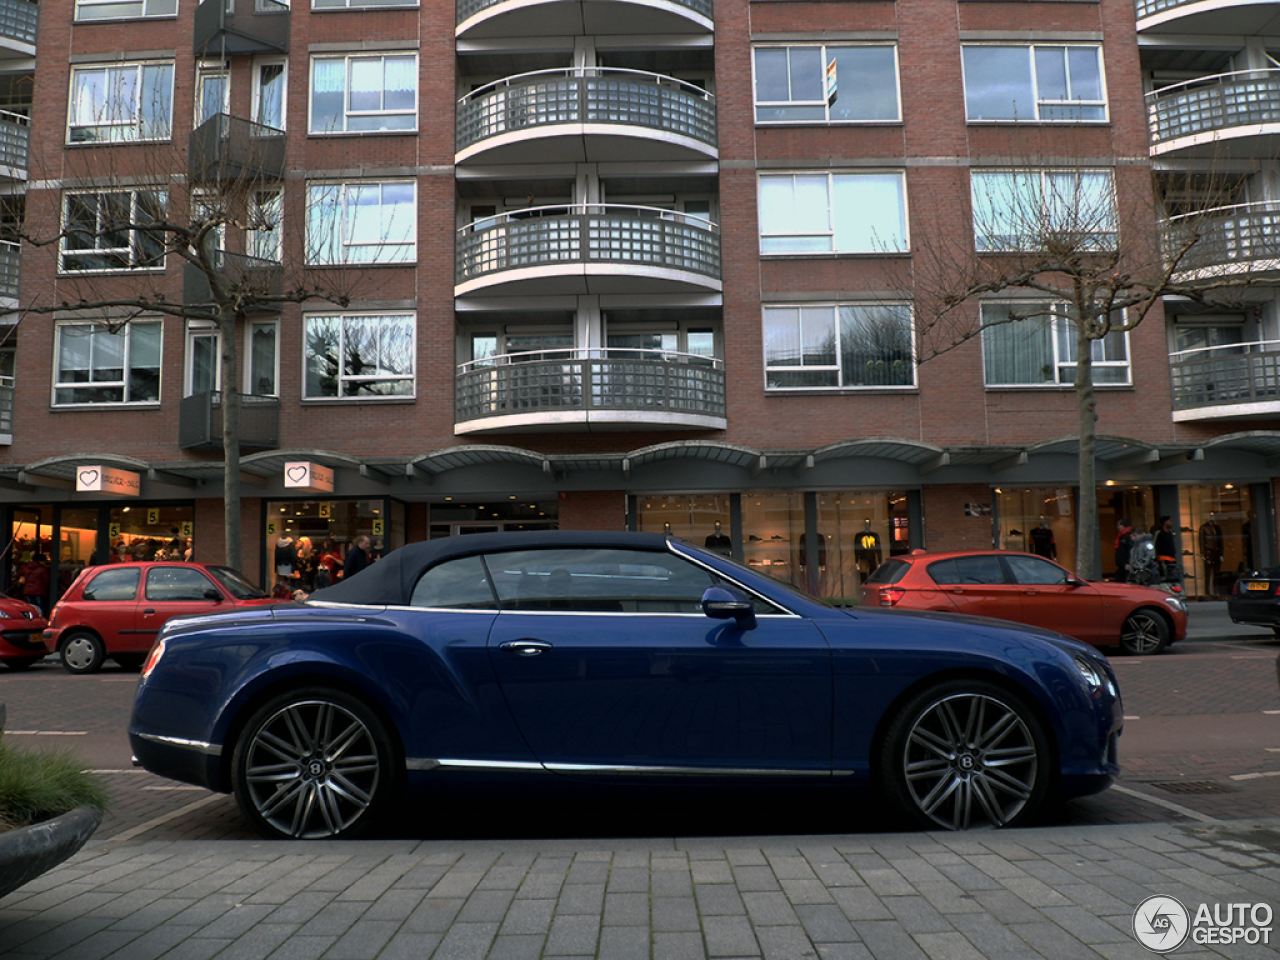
[(1061, 892)]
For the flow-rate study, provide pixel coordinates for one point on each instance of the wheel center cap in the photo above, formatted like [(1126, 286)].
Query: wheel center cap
[(315, 768), (967, 763)]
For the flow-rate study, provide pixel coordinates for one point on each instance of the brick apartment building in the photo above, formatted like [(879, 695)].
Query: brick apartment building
[(624, 263)]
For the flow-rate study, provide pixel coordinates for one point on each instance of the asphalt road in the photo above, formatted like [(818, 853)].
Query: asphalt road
[(1201, 743)]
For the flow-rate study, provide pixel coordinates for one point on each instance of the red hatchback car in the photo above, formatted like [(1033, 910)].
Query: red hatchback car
[(1033, 590), (116, 610), (21, 629)]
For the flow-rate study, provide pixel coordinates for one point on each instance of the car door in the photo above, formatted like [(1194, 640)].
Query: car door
[(168, 591), (109, 604), (977, 584), (609, 665), (1053, 599)]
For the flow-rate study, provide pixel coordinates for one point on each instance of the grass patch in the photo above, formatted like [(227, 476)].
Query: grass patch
[(36, 786)]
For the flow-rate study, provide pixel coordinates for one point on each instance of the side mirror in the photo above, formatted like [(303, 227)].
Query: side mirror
[(212, 594), (729, 603), (1075, 582)]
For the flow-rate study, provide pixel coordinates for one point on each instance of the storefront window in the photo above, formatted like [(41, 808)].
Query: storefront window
[(149, 533), (299, 533), (1040, 520), (77, 544), (699, 519), (1133, 503), (453, 518), (773, 525), (859, 530), (31, 533), (1217, 536)]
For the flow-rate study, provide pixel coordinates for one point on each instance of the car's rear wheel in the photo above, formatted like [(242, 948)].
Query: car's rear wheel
[(1144, 632), (314, 764), (82, 652), (966, 754)]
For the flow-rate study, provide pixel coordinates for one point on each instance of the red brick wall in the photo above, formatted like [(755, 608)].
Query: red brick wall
[(593, 510), (946, 527)]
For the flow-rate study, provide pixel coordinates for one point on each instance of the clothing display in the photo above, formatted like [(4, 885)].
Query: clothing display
[(719, 542), (286, 556), (1043, 543), (1212, 546), (866, 552)]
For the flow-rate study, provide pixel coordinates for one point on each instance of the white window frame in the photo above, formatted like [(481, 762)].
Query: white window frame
[(364, 5), (320, 250), (1044, 105), (1048, 195), (1062, 341), (146, 10), (835, 328), (259, 63), (207, 70), (348, 62), (822, 238), (826, 106), (134, 253), (266, 244), (345, 378), (250, 388), (127, 331), (201, 330), (128, 121)]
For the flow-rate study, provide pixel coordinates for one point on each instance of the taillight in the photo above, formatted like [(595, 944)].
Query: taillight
[(153, 658), (891, 595)]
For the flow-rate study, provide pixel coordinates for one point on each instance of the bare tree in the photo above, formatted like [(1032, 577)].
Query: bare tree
[(1062, 250)]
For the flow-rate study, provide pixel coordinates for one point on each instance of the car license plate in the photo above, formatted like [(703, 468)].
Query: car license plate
[(1259, 585)]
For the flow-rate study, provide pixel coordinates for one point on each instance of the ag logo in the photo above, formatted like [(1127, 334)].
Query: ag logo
[(1161, 924)]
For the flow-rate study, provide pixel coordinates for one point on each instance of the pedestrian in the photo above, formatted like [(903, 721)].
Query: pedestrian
[(1124, 547), (34, 577), (357, 557), (1166, 546)]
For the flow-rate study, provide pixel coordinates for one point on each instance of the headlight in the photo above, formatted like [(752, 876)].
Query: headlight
[(1092, 676), (4, 616), (1177, 603)]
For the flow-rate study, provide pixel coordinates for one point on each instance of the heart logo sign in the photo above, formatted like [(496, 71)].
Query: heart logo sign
[(297, 473), (88, 477)]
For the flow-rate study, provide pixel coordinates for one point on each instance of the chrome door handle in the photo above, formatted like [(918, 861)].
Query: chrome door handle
[(525, 648)]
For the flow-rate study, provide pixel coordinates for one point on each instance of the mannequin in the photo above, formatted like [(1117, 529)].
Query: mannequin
[(286, 555), (718, 542), (1042, 541), (866, 551), (1211, 549)]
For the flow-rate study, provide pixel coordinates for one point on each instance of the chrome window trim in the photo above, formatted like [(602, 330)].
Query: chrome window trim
[(611, 769), (673, 548)]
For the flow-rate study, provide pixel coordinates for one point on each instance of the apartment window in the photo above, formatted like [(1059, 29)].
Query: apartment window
[(1034, 344), (96, 364), (360, 94), (361, 222), (269, 79), (203, 353), (266, 211), (351, 356), (262, 366), (1033, 83), (844, 345), (124, 9), (1029, 209), (213, 91), (356, 4), (791, 84), (833, 213), (106, 231), (130, 101)]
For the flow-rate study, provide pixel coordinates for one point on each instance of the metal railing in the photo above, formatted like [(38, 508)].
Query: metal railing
[(6, 406), (586, 95), (1224, 236), (200, 421), (10, 268), (225, 148), (587, 233), (644, 381), (469, 8), (258, 26), (15, 139), (1234, 373), (1218, 102), (259, 283), (19, 20)]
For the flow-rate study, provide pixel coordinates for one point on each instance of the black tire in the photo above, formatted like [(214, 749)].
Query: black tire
[(1144, 633), (315, 764), (966, 754), (82, 652)]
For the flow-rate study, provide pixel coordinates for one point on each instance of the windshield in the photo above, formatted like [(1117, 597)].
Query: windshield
[(236, 583)]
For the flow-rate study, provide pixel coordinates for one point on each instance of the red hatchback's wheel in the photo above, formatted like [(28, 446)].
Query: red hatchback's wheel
[(82, 652)]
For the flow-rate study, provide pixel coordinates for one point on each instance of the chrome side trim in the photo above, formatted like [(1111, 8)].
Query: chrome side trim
[(607, 769), (209, 749), (423, 763)]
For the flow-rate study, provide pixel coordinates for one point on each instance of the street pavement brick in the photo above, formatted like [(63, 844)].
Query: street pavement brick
[(861, 904), (729, 936), (679, 946), (623, 943), (528, 917), (466, 941), (486, 905), (626, 909), (581, 898), (674, 915), (672, 883), (364, 941), (766, 909), (885, 938), (824, 923), (916, 915), (718, 900), (786, 943), (948, 946), (573, 936)]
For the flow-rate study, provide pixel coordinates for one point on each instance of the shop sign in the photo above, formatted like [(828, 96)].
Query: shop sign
[(308, 476), (120, 483)]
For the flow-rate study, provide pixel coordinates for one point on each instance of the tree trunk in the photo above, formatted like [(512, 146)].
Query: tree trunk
[(230, 439), (1088, 551)]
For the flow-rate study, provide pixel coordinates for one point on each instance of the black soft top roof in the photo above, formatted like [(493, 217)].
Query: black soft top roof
[(390, 581)]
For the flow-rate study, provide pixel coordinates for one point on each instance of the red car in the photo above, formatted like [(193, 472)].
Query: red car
[(116, 610), (21, 629), (1030, 589)]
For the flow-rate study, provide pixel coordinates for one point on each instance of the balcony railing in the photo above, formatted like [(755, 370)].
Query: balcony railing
[(226, 148), (200, 421), (6, 409), (586, 95), (15, 140), (259, 26), (19, 20), (1236, 238), (10, 269), (469, 8), (259, 283), (634, 386), (1235, 374), (588, 233), (1211, 104)]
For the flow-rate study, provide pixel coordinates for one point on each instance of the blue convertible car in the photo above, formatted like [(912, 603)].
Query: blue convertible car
[(613, 655)]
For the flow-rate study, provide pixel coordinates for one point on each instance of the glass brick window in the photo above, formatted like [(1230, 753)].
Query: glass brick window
[(810, 213), (350, 356), (1033, 343), (1034, 83), (96, 364), (838, 346), (791, 83), (121, 101)]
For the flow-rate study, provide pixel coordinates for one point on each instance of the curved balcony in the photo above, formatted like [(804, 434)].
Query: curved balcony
[(1243, 239), (1206, 17), (18, 22), (1227, 114), (587, 249), (586, 115), (581, 389), (478, 19), (1239, 381)]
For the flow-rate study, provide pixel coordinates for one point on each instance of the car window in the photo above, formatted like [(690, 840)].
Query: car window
[(236, 583), (176, 583), (891, 571), (120, 584), (599, 580), (967, 570), (1035, 570), (459, 584)]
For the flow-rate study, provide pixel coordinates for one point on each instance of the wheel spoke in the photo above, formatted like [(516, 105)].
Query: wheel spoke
[(982, 790)]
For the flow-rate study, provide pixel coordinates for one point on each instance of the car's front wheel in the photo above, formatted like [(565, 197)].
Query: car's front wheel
[(1144, 632), (966, 754), (82, 652), (314, 764)]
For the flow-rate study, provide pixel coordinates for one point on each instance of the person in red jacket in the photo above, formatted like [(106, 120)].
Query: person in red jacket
[(35, 582)]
